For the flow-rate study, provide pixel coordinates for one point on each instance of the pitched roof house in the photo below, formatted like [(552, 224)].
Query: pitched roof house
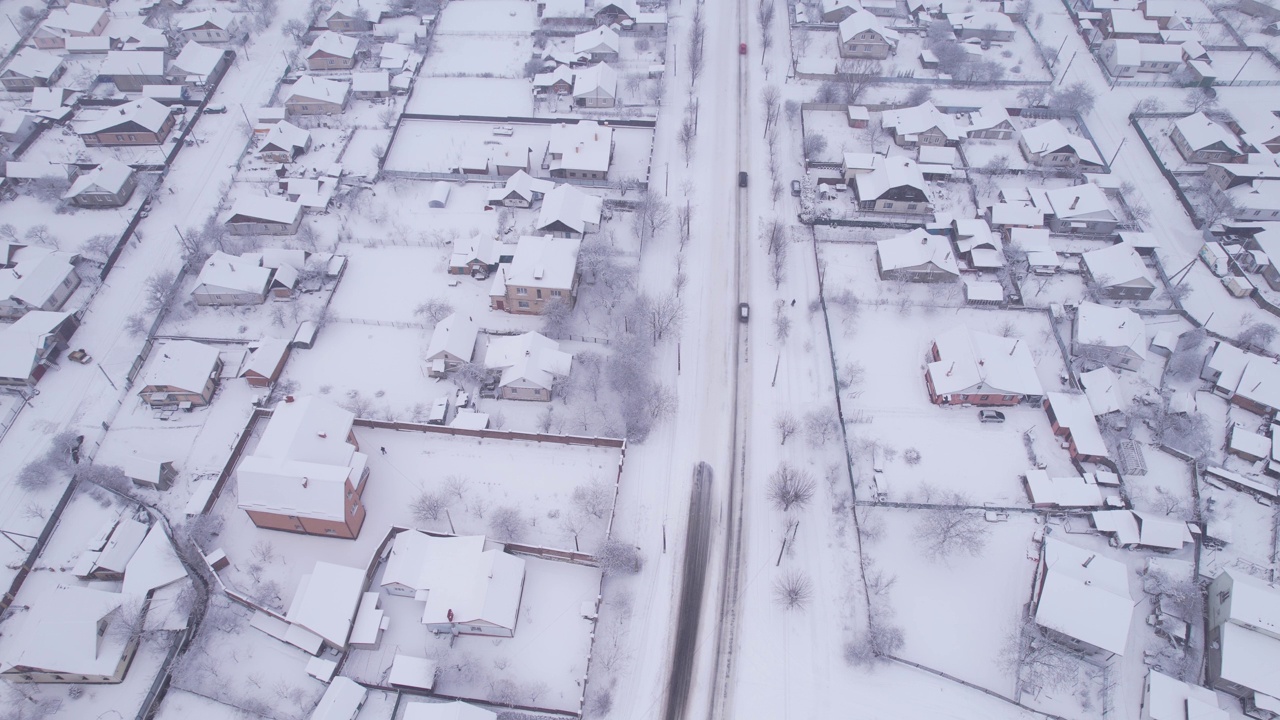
[(75, 21), (331, 51), (284, 142), (209, 26), (569, 212), (265, 362), (1201, 140), (27, 345), (131, 69), (264, 215), (110, 184), (1082, 598), (181, 373), (600, 44), (453, 342), (197, 65), (917, 256), (542, 270), (65, 638), (583, 150), (1051, 144), (1112, 336), (469, 587), (307, 473), (1118, 273), (894, 185), (325, 604), (1242, 648), (1082, 209), (530, 365), (1071, 416), (231, 280), (36, 278), (30, 69), (141, 122), (521, 190), (862, 35), (977, 368), (595, 86), (922, 125), (316, 96)]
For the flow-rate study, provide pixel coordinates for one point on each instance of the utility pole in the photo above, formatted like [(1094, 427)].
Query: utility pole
[(1063, 76), (1117, 153), (1246, 62)]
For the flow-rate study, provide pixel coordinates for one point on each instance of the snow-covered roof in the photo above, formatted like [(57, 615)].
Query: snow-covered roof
[(33, 63), (986, 117), (153, 565), (1249, 659), (1111, 327), (461, 580), (1084, 202), (529, 359), (182, 364), (123, 543), (454, 336), (1076, 416), (1071, 491), (598, 79), (1260, 382), (412, 672), (334, 43), (326, 601), (264, 358), (548, 262), (36, 275), (303, 462), (915, 249), (1229, 361), (887, 174), (375, 81), (1016, 214), (466, 419), (285, 136), (144, 112), (264, 208), (22, 341), (972, 361), (110, 176), (60, 633), (1085, 596), (1201, 132), (981, 20), (1170, 699), (561, 74), (341, 700), (75, 18), (219, 18), (862, 21), (1053, 136), (601, 40), (571, 206), (133, 62), (1124, 51), (223, 272), (1102, 387), (318, 90), (455, 710), (983, 290), (1138, 528), (585, 145), (1130, 22), (196, 59), (524, 185), (918, 119), (1253, 602)]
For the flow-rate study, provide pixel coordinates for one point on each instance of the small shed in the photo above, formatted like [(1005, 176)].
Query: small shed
[(412, 674), (305, 337), (1248, 445), (266, 360), (439, 195), (342, 700), (859, 116), (145, 472), (983, 292)]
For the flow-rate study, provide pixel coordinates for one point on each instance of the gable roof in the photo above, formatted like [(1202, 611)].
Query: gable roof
[(73, 18), (333, 43), (33, 63), (918, 119), (341, 700), (602, 39), (285, 136), (219, 18), (144, 112), (887, 174), (264, 208), (986, 118), (1116, 265), (585, 145), (1260, 382), (1132, 22), (229, 272), (524, 185), (182, 364), (862, 21), (1075, 415), (154, 564), (1202, 133), (326, 601), (375, 81), (1170, 699), (1053, 136), (22, 341), (570, 206), (196, 59), (264, 357), (1086, 201), (1085, 596), (309, 88), (598, 78), (60, 633), (981, 362), (454, 336), (915, 249), (1102, 387), (544, 262), (110, 176), (459, 578), (528, 359), (36, 275), (133, 63)]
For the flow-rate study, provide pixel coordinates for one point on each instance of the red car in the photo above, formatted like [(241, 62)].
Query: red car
[(742, 48)]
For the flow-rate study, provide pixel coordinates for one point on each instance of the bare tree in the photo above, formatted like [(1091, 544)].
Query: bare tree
[(1033, 658), (781, 328), (434, 309), (814, 144), (1077, 98), (697, 40), (791, 487), (556, 318), (951, 529), (688, 130), (651, 215), (660, 315), (793, 591), (506, 523), (771, 97), (428, 506), (821, 427), (619, 558), (684, 220), (595, 499), (786, 426), (1254, 334)]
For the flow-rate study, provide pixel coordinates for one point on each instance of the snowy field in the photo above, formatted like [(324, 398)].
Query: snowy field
[(487, 16), (492, 97), (465, 55), (38, 211)]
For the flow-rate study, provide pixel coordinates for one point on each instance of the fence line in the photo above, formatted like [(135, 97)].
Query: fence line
[(27, 565)]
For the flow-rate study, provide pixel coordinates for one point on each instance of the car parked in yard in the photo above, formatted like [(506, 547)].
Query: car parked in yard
[(215, 109), (744, 312), (990, 416)]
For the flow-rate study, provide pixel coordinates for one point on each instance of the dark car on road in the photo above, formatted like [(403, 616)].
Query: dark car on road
[(742, 179), (744, 312), (795, 188)]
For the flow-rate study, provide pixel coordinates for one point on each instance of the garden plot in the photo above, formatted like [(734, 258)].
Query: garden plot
[(182, 705), (364, 149), (238, 665), (273, 318), (38, 215), (819, 54), (957, 612), (487, 16), (1250, 525), (496, 493), (474, 55), (1165, 489), (541, 666), (980, 153), (63, 145), (855, 264), (492, 97), (1158, 130), (327, 145)]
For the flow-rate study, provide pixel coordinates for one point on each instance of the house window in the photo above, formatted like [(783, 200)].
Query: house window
[(522, 303), (522, 291), (911, 206), (984, 398), (354, 508), (888, 205), (537, 392), (559, 293), (539, 291), (119, 138), (476, 629), (330, 531)]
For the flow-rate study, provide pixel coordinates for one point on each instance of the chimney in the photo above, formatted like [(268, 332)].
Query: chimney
[(323, 434), (305, 481), (924, 239), (288, 398), (1074, 202), (953, 367), (1015, 347), (1086, 563)]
